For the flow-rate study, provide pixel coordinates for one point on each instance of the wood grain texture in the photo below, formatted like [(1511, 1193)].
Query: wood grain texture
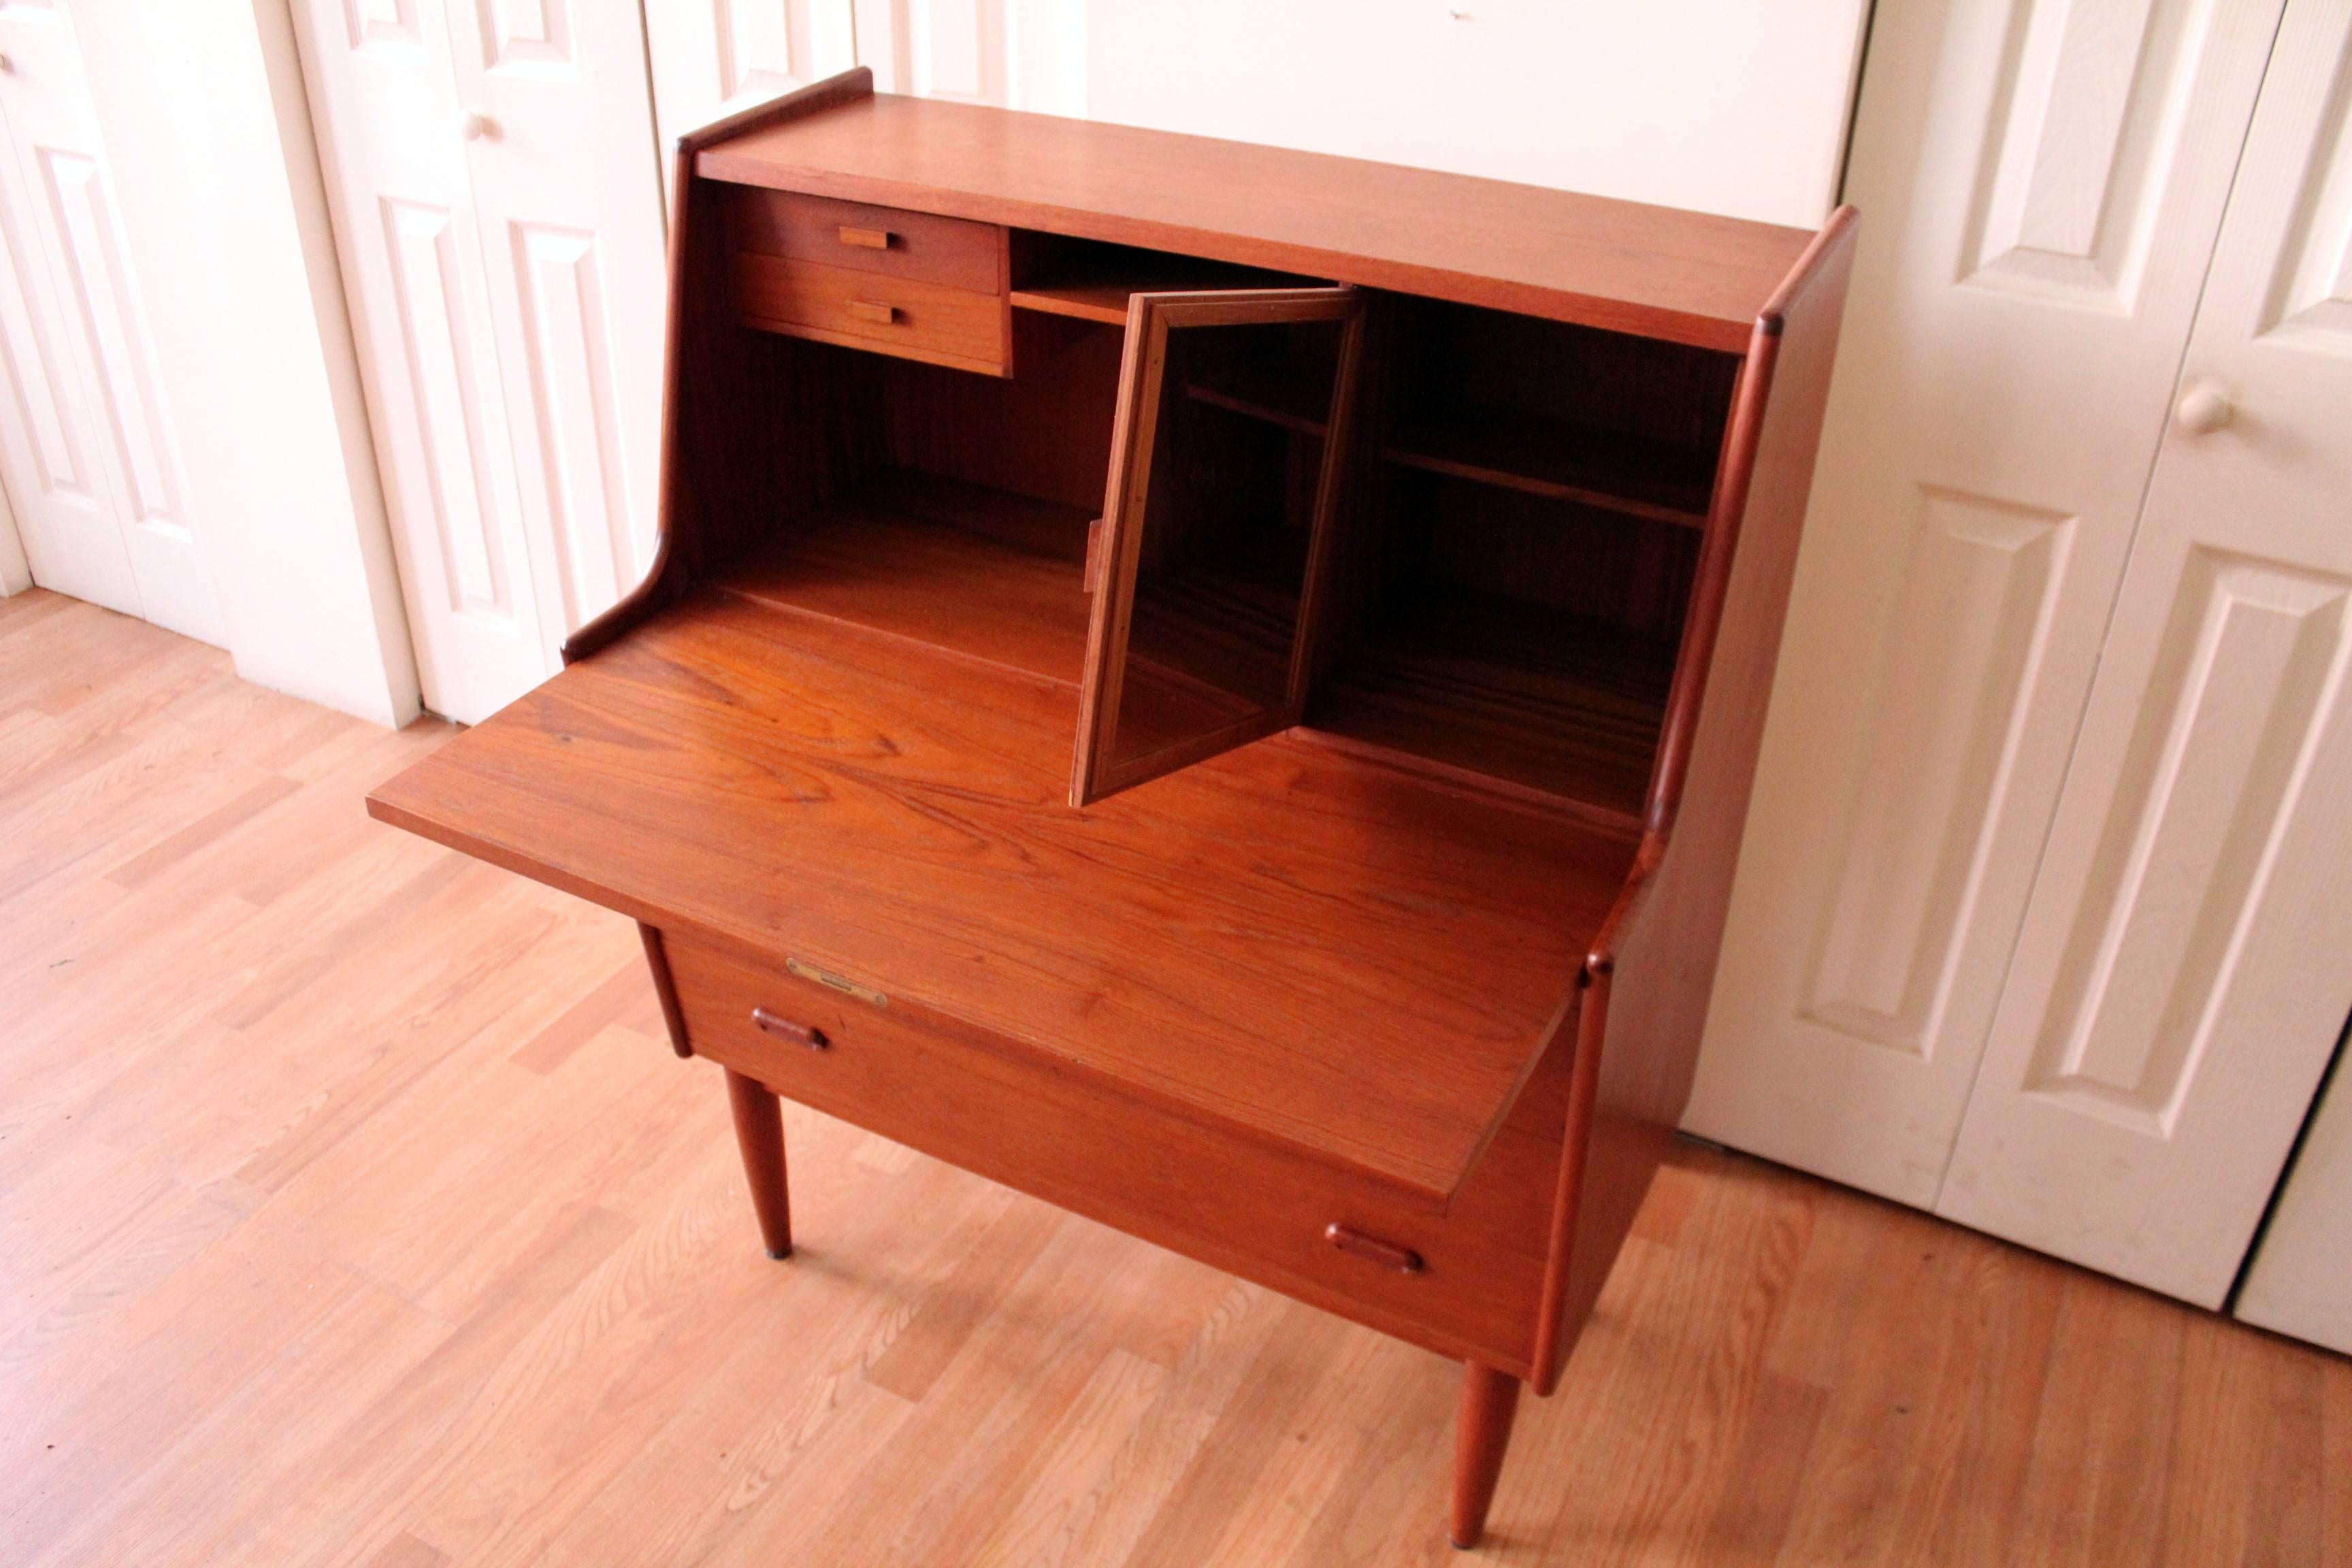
[(665, 989), (877, 311), (1511, 692), (1682, 276), (888, 240), (1651, 970), (826, 760), (759, 1138), (696, 266), (999, 583), (1562, 462), (902, 821), (259, 1308), (1072, 1137), (1481, 1433), (1094, 281)]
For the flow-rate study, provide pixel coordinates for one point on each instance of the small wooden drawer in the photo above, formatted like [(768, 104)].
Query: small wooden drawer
[(948, 251), (903, 316), (1465, 1283)]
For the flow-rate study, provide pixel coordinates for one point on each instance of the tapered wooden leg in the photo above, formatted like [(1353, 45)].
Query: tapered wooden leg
[(759, 1133), (1480, 1432)]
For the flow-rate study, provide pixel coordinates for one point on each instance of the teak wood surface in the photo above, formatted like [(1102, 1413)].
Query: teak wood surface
[(1352, 1020), (796, 786), (1687, 277)]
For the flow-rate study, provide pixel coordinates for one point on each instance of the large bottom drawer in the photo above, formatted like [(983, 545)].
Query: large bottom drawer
[(1051, 1129)]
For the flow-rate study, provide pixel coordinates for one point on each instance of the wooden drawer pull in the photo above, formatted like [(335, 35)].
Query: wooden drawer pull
[(799, 1034), (867, 239), (1373, 1249), (874, 310)]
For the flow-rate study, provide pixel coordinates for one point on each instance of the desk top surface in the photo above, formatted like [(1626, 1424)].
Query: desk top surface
[(1293, 939), (1688, 277)]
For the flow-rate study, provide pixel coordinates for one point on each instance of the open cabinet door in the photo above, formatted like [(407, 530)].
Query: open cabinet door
[(1225, 457)]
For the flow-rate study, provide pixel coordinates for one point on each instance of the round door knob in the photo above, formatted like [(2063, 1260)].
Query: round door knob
[(473, 125), (2203, 409), (6, 64)]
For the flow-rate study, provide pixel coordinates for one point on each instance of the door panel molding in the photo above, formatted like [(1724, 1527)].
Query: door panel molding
[(571, 370), (2313, 295), (433, 334), (2246, 682), (2090, 115), (1971, 633)]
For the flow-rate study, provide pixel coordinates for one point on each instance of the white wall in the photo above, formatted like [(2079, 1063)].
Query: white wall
[(1728, 107), (208, 137)]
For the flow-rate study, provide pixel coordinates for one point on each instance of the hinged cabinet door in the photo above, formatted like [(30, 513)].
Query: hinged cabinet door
[(1226, 457)]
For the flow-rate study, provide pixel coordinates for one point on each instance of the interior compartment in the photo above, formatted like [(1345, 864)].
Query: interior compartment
[(951, 508), (1513, 544), (1518, 561), (1223, 529), (1090, 280)]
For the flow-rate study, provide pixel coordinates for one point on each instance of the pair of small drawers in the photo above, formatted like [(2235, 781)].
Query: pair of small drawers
[(907, 283), (1465, 1283)]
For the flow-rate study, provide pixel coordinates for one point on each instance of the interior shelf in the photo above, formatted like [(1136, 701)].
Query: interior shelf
[(983, 573), (1617, 472), (1563, 462), (1292, 401), (1500, 687), (1093, 282)]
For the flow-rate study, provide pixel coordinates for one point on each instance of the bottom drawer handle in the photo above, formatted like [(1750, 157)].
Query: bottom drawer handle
[(1373, 1249), (874, 310), (799, 1034)]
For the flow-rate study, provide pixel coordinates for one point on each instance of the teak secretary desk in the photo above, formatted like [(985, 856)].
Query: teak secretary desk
[(1308, 849)]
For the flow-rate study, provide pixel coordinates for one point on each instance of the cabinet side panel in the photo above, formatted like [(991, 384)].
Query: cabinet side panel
[(1664, 964), (708, 381)]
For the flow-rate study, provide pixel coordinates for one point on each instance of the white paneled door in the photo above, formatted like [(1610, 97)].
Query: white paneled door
[(711, 58), (567, 202), (2041, 183), (85, 448), (490, 166), (2186, 962)]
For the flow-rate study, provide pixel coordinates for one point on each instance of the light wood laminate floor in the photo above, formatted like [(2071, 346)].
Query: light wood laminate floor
[(353, 1211)]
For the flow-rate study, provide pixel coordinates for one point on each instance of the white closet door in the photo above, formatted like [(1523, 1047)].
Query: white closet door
[(713, 56), (2040, 184), (2301, 1281), (948, 49), (392, 138), (85, 445), (2182, 974), (568, 208)]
